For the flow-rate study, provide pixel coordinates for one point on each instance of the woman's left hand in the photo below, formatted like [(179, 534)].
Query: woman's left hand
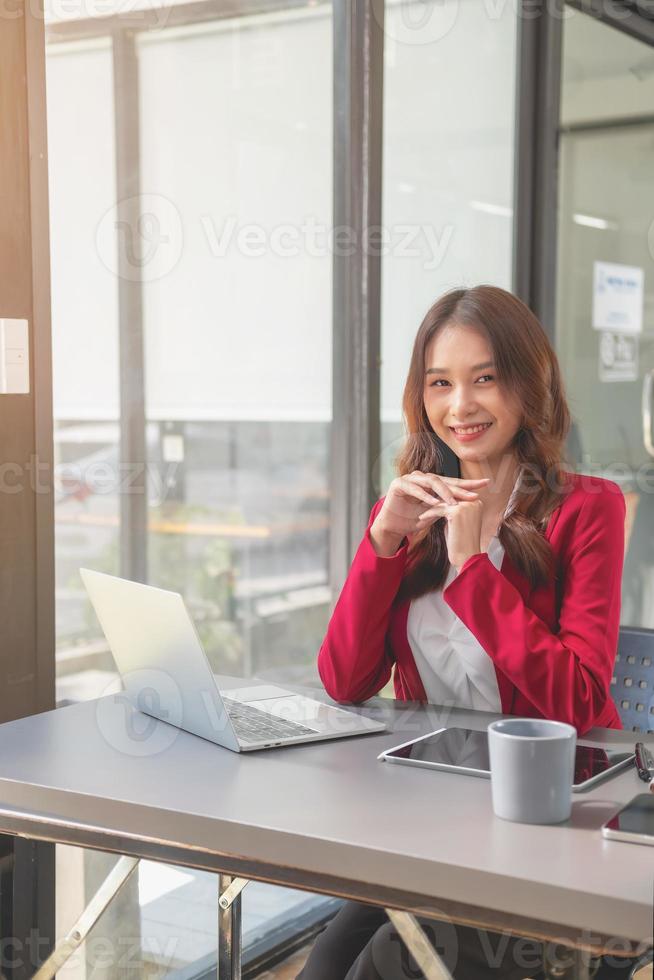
[(463, 529)]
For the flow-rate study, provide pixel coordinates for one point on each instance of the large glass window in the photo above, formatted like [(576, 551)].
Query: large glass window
[(222, 276), (81, 151), (234, 166), (447, 171), (238, 332), (605, 279)]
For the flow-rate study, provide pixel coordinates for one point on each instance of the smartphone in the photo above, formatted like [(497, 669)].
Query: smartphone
[(634, 822), (465, 750)]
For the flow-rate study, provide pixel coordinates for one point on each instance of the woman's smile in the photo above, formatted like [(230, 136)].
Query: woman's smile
[(468, 433)]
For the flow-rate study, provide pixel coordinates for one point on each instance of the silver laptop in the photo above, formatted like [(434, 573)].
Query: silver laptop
[(166, 674)]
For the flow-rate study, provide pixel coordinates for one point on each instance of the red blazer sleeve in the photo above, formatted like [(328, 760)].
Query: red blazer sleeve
[(566, 675), (355, 661)]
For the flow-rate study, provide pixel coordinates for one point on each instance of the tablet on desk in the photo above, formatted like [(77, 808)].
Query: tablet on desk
[(465, 750), (634, 822)]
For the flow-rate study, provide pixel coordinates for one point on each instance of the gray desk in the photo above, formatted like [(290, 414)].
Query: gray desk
[(328, 817)]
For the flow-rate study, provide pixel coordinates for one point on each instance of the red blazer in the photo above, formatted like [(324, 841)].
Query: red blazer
[(553, 647)]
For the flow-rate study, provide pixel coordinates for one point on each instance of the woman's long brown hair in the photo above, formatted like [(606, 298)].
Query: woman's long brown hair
[(527, 366)]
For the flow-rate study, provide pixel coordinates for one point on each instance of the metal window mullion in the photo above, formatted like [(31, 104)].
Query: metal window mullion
[(132, 495), (538, 91), (355, 435)]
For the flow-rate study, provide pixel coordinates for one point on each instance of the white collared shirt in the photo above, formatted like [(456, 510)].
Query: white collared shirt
[(454, 668)]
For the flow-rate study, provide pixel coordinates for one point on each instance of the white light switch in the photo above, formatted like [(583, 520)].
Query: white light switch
[(14, 357)]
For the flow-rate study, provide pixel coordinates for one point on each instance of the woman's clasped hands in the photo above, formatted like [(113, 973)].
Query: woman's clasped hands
[(417, 500)]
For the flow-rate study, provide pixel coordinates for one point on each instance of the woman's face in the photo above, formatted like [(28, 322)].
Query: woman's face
[(461, 389)]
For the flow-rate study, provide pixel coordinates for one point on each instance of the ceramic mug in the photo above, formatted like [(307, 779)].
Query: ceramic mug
[(532, 765)]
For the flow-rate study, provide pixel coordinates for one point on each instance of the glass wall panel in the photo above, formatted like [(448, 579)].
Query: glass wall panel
[(238, 331), (81, 148), (448, 171), (231, 148), (235, 176), (605, 277)]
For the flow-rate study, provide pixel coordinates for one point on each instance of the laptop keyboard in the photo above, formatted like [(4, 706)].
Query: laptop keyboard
[(253, 724)]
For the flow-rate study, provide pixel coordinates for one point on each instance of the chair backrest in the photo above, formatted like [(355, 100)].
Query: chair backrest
[(632, 686)]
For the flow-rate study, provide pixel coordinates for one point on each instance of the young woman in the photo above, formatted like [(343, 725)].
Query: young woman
[(497, 590)]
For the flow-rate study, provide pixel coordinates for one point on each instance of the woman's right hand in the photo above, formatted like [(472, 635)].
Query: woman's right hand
[(410, 496)]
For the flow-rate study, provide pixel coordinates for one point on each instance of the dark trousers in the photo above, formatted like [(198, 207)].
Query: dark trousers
[(361, 944)]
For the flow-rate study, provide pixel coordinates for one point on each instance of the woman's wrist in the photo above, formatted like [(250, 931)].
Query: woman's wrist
[(385, 543), (461, 560)]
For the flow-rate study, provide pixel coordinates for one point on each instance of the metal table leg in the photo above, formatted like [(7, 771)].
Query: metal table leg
[(100, 901), (229, 926), (418, 945), (559, 962)]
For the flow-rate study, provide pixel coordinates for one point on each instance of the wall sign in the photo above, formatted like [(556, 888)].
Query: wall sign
[(617, 297), (618, 356)]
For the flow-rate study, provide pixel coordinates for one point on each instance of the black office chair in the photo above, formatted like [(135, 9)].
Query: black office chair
[(632, 685)]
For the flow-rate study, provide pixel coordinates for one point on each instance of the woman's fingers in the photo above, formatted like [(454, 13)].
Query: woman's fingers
[(477, 479), (439, 487), (428, 515), (413, 490), (446, 491), (433, 512)]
